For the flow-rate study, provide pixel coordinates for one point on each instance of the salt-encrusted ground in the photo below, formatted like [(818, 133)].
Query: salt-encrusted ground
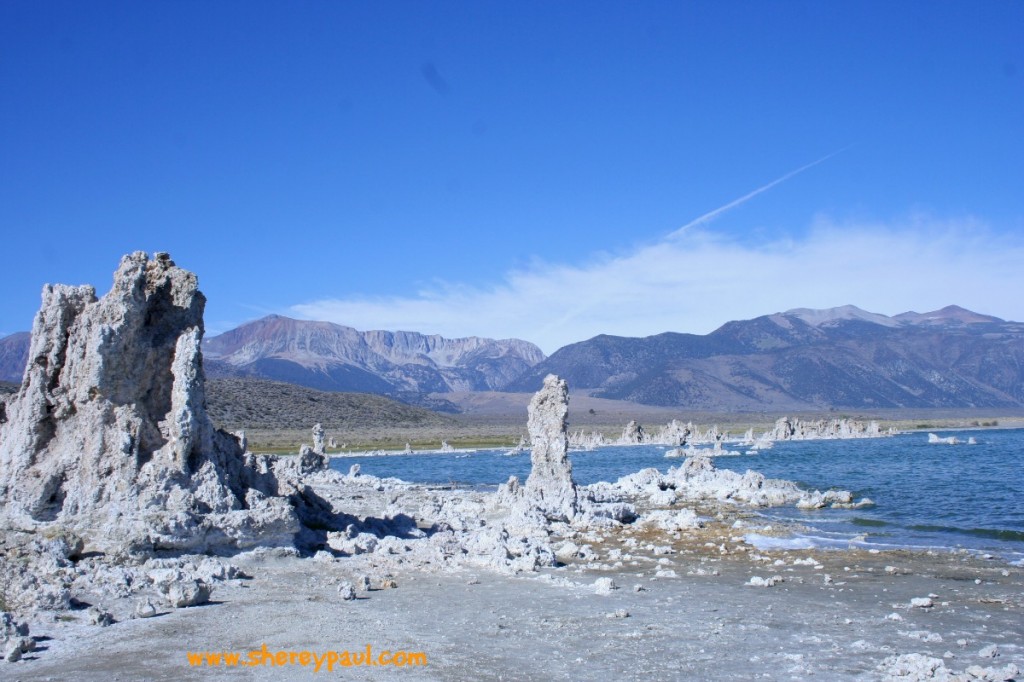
[(834, 615)]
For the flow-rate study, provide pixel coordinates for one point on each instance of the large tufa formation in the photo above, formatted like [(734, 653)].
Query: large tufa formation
[(109, 432), (550, 487)]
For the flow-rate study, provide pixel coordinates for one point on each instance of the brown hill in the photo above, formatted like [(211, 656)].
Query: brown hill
[(271, 405)]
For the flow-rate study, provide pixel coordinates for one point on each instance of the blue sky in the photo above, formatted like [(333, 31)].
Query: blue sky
[(518, 169)]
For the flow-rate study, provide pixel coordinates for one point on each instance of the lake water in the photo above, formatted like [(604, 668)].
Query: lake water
[(931, 495)]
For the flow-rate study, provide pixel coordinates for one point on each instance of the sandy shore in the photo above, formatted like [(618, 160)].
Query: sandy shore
[(683, 609)]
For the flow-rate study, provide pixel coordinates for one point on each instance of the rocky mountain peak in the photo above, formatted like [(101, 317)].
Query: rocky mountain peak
[(951, 314), (335, 357), (829, 316)]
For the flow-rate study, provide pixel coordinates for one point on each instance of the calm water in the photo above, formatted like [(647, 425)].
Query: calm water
[(926, 495)]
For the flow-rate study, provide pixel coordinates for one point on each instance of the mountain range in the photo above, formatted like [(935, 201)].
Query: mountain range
[(331, 357), (806, 359), (802, 359)]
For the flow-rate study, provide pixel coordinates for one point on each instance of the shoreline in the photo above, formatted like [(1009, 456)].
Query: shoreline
[(503, 434), (684, 591), (830, 532), (645, 601), (639, 605), (389, 452)]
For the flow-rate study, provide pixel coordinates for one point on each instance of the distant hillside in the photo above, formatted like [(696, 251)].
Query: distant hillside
[(14, 356), (260, 404), (806, 360), (327, 356), (800, 360)]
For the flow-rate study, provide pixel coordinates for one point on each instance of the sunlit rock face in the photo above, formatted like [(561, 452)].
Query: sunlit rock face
[(550, 487), (109, 432)]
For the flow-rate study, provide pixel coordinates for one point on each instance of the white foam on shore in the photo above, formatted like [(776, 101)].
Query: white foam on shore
[(833, 541), (767, 542)]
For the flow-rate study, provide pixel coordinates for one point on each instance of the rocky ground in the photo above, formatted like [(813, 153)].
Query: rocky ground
[(675, 608)]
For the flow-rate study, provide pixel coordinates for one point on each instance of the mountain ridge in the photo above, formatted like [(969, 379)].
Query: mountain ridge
[(801, 359), (402, 364), (807, 359)]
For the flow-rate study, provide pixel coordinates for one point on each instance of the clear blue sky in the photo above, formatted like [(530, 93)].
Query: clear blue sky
[(518, 168)]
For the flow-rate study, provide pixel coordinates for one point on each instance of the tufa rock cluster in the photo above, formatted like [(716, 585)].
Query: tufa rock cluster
[(109, 435)]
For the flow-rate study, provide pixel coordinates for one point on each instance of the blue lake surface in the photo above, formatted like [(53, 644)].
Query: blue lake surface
[(932, 495)]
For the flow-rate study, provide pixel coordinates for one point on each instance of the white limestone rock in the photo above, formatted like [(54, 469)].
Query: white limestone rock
[(14, 638), (567, 551), (824, 429), (1007, 673), (144, 609), (319, 439), (632, 434), (671, 519), (758, 581), (98, 616), (184, 593), (920, 667), (352, 542), (662, 498), (9, 627), (109, 436), (914, 667), (12, 652), (550, 487)]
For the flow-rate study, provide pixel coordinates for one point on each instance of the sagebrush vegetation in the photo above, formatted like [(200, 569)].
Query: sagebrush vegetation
[(260, 404)]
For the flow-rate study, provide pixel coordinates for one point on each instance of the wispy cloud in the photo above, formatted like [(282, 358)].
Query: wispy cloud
[(697, 282), (711, 215)]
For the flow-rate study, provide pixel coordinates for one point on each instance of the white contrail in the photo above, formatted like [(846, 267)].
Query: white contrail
[(711, 215), (578, 310)]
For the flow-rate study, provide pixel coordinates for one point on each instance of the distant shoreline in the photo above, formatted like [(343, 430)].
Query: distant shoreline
[(482, 435)]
